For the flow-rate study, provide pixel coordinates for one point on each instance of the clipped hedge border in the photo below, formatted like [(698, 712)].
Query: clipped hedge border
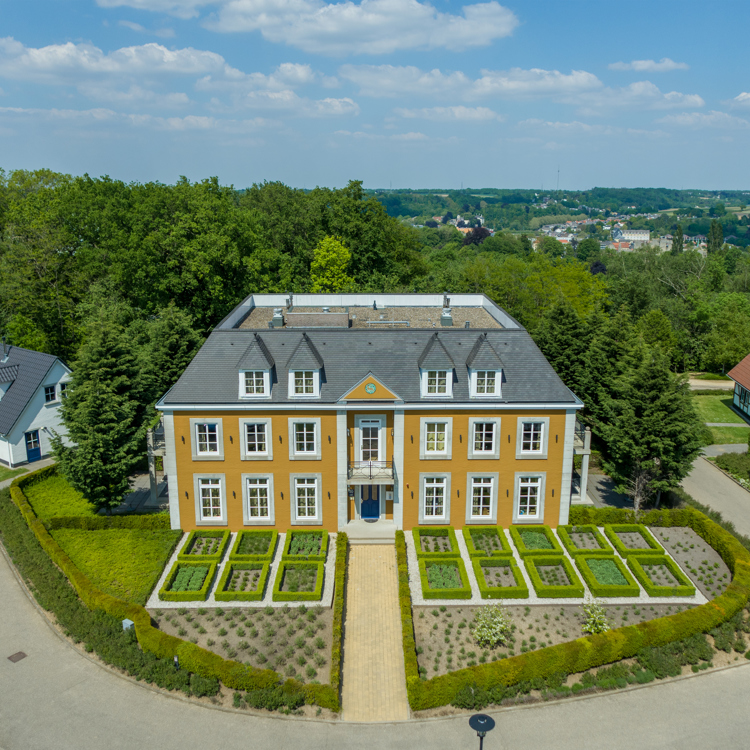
[(601, 589), (611, 530), (152, 522), (419, 531), (605, 549), (504, 551), (320, 557), (411, 666), (574, 590), (523, 551), (684, 587), (461, 593), (209, 534), (519, 591), (235, 556), (298, 596), (221, 595), (165, 593), (594, 650), (192, 657)]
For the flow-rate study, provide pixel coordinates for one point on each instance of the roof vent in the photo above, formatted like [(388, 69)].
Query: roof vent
[(277, 321), (446, 317), (467, 324), (326, 309)]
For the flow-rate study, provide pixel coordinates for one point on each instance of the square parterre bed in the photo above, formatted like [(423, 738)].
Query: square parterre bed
[(632, 539), (432, 542), (242, 581), (251, 546), (553, 577), (606, 576), (444, 578), (660, 576), (305, 545), (188, 581), (535, 541), (298, 581), (499, 578), (204, 545), (584, 540), (486, 541)]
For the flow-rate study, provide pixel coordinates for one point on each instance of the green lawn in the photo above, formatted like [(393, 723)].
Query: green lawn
[(53, 497), (122, 562), (716, 409), (722, 435), (8, 473)]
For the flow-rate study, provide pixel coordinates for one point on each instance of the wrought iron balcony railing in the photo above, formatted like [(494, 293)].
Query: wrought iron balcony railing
[(369, 470)]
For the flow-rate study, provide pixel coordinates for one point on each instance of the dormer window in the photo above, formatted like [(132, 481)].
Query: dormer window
[(483, 383), (255, 367), (437, 383), (254, 383), (304, 383)]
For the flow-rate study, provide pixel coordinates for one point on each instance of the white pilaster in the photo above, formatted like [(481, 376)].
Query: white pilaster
[(170, 469), (342, 468), (567, 470), (398, 465)]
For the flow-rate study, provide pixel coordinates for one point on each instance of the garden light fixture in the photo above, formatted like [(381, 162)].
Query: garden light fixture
[(481, 724)]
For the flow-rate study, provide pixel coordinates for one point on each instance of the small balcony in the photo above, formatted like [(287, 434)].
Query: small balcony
[(581, 439), (371, 472)]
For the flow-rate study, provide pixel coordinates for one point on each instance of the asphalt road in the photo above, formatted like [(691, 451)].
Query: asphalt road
[(56, 699)]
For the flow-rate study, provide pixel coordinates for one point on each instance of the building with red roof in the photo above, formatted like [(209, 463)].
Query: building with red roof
[(741, 376)]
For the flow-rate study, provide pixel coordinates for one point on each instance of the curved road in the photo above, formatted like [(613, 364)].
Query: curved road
[(55, 699)]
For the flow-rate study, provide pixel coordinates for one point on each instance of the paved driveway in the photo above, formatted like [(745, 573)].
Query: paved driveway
[(56, 699)]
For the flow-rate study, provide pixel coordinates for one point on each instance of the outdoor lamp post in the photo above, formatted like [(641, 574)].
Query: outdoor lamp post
[(481, 724)]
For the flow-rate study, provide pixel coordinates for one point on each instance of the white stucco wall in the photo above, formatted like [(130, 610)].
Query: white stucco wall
[(38, 415)]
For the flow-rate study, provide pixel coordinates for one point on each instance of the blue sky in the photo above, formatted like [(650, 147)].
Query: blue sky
[(392, 92)]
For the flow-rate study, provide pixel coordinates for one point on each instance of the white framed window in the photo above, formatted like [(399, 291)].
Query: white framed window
[(50, 394), (256, 439), (532, 437), (435, 437), (206, 438), (437, 383), (305, 439), (255, 384), (306, 495), (481, 497), (210, 499), (258, 506), (484, 438), (434, 498), (485, 383), (304, 383), (528, 506), (63, 389)]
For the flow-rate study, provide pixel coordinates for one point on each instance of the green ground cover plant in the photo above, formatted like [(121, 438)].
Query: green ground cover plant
[(305, 545), (125, 563), (535, 540), (727, 435), (632, 539), (188, 581), (242, 581), (433, 542), (145, 522), (606, 576), (205, 545), (499, 578), (484, 541), (448, 580), (50, 495), (254, 545), (584, 539), (10, 473), (298, 581), (716, 409), (660, 576), (738, 465)]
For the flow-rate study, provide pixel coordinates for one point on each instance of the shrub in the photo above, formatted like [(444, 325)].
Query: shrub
[(492, 625), (596, 619), (50, 495), (737, 464), (145, 522)]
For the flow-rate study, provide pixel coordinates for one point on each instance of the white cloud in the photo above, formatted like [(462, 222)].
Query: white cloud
[(286, 75), (368, 27), (164, 33), (519, 83), (179, 8), (451, 114), (132, 95), (637, 96), (650, 66), (391, 80), (701, 120), (568, 127), (741, 100)]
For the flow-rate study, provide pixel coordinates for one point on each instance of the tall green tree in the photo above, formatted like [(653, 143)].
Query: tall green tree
[(328, 270), (104, 418), (653, 434), (715, 236), (678, 240)]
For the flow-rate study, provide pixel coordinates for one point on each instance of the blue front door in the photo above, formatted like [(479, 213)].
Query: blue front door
[(33, 449), (370, 501)]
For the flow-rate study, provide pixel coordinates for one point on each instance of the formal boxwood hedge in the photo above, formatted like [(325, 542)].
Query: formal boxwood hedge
[(605, 549), (298, 596), (602, 589), (463, 592), (519, 591), (146, 522), (589, 651), (320, 557), (504, 551), (683, 588), (165, 594), (271, 534), (612, 529), (222, 595), (524, 551), (186, 555), (419, 531), (574, 590)]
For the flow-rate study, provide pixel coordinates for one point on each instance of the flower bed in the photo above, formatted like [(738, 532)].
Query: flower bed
[(535, 540), (660, 576), (251, 546), (606, 576), (444, 579), (298, 581), (499, 578), (188, 582), (486, 541), (242, 581), (553, 578), (305, 545), (433, 542), (584, 540), (632, 539), (204, 545)]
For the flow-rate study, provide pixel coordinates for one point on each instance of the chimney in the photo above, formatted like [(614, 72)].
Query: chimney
[(277, 321)]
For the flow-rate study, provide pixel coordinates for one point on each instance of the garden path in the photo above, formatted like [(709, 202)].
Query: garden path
[(374, 682)]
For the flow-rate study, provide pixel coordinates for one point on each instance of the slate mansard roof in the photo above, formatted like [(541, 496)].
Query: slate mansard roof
[(348, 356), (25, 370)]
